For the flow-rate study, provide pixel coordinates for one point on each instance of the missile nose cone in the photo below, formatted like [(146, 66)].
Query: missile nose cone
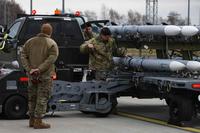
[(189, 30), (193, 65), (172, 30), (176, 66)]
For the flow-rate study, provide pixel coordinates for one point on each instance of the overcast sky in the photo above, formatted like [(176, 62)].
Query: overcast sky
[(122, 6)]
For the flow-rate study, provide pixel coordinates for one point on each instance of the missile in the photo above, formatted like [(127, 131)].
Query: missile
[(123, 30), (149, 64), (191, 65), (163, 30), (189, 30)]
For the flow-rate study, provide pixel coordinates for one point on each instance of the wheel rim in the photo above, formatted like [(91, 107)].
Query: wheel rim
[(17, 107)]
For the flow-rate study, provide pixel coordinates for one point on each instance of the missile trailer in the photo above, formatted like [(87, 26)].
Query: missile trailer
[(179, 87)]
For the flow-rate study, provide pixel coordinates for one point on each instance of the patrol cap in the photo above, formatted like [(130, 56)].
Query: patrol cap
[(105, 31), (46, 29)]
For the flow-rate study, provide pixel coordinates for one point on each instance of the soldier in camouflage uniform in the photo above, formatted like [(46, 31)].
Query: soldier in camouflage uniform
[(87, 31), (101, 50), (38, 56)]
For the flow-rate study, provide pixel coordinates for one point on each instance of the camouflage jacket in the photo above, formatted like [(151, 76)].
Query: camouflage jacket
[(101, 57), (40, 52), (89, 36)]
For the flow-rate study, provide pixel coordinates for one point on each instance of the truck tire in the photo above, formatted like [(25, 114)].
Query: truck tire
[(15, 107), (180, 109)]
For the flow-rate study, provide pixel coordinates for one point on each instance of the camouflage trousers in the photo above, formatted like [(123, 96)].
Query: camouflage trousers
[(38, 96)]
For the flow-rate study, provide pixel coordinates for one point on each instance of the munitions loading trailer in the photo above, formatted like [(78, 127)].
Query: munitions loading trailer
[(181, 90)]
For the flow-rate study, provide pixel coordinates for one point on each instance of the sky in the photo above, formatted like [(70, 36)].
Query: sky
[(122, 6)]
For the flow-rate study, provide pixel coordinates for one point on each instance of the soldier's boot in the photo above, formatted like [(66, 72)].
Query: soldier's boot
[(31, 121), (38, 124)]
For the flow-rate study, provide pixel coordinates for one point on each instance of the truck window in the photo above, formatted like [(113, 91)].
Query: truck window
[(65, 32), (72, 34), (14, 30)]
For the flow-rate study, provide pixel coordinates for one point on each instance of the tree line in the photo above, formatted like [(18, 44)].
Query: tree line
[(133, 17), (8, 11)]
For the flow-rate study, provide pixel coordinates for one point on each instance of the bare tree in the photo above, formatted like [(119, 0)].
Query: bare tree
[(91, 15), (175, 19), (9, 11), (104, 12), (134, 17), (114, 15)]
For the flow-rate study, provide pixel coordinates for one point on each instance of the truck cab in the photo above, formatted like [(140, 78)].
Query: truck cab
[(70, 64)]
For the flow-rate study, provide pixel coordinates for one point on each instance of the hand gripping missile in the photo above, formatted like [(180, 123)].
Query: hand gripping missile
[(150, 64)]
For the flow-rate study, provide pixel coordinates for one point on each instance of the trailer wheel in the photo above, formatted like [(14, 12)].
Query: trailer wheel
[(91, 101), (180, 109), (15, 107), (103, 98), (105, 114)]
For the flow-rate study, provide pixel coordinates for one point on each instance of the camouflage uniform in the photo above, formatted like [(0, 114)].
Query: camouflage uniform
[(39, 52), (100, 59), (89, 36)]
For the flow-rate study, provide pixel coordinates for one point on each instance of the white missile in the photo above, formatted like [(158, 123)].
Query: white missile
[(172, 30), (122, 30), (150, 64), (169, 30), (191, 65), (189, 30), (163, 30), (163, 65)]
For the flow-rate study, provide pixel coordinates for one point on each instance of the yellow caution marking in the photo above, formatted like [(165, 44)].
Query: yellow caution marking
[(156, 121)]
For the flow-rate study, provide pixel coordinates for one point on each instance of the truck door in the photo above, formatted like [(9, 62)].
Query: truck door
[(8, 53)]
